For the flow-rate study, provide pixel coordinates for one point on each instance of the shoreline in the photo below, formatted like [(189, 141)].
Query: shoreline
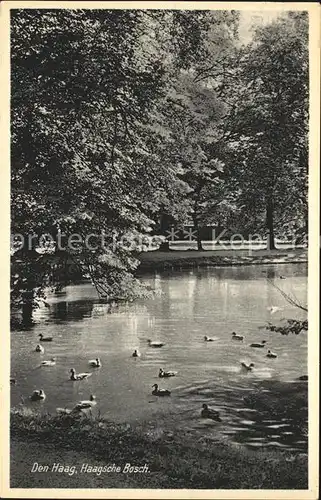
[(182, 259), (176, 459)]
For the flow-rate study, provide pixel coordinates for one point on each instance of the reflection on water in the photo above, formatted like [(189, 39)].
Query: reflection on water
[(71, 311), (213, 302)]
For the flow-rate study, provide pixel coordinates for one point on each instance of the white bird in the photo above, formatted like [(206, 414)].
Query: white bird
[(39, 348), (85, 405), (246, 367), (38, 395), (154, 343), (95, 363), (49, 362), (78, 376), (271, 354), (208, 339), (163, 374), (237, 337), (274, 309)]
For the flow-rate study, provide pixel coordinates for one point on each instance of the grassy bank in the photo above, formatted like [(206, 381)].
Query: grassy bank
[(175, 460), (192, 258)]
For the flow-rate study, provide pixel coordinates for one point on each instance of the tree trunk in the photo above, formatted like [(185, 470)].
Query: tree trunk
[(270, 224), (199, 242), (27, 311), (164, 224), (164, 246), (199, 239)]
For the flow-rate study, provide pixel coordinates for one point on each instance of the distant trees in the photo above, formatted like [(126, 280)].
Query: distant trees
[(268, 125)]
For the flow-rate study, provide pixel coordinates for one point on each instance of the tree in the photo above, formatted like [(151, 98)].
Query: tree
[(193, 112), (88, 149), (268, 124)]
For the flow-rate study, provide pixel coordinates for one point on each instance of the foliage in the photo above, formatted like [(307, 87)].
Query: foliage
[(124, 121), (89, 147), (292, 326), (268, 125)]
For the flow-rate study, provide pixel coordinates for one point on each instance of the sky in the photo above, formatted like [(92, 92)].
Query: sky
[(250, 18)]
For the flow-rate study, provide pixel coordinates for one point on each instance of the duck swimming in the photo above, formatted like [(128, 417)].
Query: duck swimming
[(95, 363), (257, 344), (160, 392), (246, 367), (39, 348), (237, 337), (163, 374), (85, 405), (208, 339), (136, 354), (45, 339), (38, 395), (209, 413), (79, 376), (271, 354), (13, 381), (49, 362), (153, 343)]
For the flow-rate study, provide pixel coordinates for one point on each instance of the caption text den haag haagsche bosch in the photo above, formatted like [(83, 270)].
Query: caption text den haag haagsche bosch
[(87, 468)]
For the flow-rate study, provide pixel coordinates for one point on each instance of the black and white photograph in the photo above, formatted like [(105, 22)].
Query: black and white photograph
[(160, 229)]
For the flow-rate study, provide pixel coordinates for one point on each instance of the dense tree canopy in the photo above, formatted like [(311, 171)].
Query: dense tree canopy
[(122, 119)]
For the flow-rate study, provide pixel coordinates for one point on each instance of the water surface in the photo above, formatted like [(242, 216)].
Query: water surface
[(189, 305)]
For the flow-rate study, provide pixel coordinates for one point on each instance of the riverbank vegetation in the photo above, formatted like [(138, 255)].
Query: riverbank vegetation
[(175, 459), (128, 121)]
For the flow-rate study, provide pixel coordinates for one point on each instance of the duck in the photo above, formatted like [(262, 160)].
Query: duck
[(95, 363), (136, 354), (45, 339), (271, 354), (85, 405), (49, 362), (38, 395), (258, 344), (153, 343), (163, 374), (303, 377), (13, 381), (209, 413), (208, 339), (282, 278), (160, 392), (237, 337), (39, 348), (78, 376), (274, 309), (246, 367)]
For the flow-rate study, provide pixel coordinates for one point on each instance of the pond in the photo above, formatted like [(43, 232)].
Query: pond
[(188, 305)]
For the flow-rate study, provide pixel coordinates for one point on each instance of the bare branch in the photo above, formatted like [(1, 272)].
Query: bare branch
[(287, 297)]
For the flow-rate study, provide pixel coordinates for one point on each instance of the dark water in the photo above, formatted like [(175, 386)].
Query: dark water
[(191, 304)]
